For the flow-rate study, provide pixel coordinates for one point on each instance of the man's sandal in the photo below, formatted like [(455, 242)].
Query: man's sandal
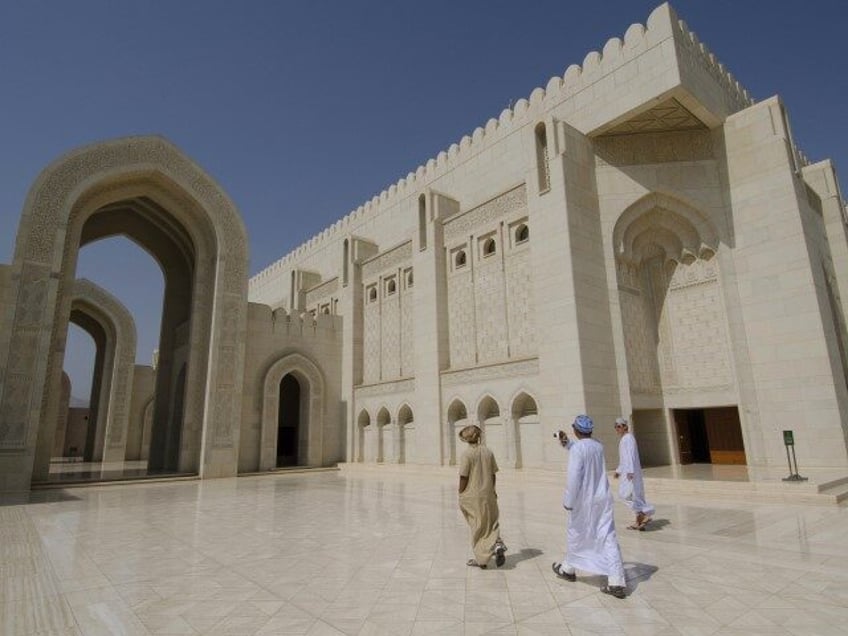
[(614, 590), (500, 559), (472, 563), (563, 575)]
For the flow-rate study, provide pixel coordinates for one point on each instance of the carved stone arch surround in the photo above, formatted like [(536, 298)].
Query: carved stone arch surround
[(312, 384), (117, 375), (518, 393), (680, 228), (480, 401), (62, 198)]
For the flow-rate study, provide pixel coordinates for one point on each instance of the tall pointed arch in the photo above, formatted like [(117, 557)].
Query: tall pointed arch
[(146, 189)]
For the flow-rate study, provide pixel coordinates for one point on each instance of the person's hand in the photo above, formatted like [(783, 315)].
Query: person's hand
[(615, 475), (630, 476)]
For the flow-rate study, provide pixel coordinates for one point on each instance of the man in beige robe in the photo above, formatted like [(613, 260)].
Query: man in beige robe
[(478, 500)]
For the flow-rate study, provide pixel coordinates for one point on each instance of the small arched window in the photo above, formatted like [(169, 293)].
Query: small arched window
[(542, 166), (391, 286), (422, 222), (409, 279), (459, 260), (489, 247), (522, 233), (372, 294)]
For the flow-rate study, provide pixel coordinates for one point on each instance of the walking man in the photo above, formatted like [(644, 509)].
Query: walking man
[(631, 488), (478, 500), (592, 541)]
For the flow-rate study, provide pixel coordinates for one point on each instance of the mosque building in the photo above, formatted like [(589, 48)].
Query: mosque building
[(638, 237)]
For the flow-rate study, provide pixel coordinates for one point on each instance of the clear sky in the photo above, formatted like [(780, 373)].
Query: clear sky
[(303, 110)]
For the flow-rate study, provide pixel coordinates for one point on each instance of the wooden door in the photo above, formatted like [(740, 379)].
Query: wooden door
[(684, 436), (725, 435)]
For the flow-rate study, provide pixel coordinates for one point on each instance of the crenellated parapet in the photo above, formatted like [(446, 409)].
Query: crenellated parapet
[(578, 84), (295, 325), (734, 91)]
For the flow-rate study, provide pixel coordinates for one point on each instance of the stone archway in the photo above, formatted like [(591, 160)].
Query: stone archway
[(312, 397), (527, 431), (149, 191), (457, 417), (112, 327)]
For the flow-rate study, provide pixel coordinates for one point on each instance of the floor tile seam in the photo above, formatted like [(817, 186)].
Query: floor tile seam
[(54, 578), (794, 567)]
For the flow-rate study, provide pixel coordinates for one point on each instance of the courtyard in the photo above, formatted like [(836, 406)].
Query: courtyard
[(371, 551)]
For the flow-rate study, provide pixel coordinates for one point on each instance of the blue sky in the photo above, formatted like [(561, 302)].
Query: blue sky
[(304, 110)]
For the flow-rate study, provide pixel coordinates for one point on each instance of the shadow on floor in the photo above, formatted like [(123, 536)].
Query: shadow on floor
[(526, 553), (36, 497)]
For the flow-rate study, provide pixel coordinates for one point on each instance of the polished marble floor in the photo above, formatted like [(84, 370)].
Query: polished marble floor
[(372, 552)]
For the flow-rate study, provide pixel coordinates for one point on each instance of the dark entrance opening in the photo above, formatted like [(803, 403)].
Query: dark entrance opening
[(288, 421), (710, 436)]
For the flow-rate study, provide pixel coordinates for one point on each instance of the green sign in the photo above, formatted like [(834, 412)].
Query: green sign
[(788, 438)]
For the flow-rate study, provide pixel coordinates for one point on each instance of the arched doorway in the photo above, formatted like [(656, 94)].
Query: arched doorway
[(363, 428), (385, 438), (406, 435), (489, 419), (288, 421), (676, 333), (143, 188), (528, 432), (457, 418), (292, 414)]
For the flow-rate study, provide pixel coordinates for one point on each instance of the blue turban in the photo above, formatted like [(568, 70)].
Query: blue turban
[(583, 423)]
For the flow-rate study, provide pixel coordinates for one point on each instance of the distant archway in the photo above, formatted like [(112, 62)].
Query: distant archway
[(385, 447), (406, 435), (363, 428), (494, 435), (528, 433), (112, 328), (457, 418)]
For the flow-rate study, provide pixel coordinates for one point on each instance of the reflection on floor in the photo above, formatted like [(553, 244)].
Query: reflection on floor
[(384, 553), (76, 472), (701, 472)]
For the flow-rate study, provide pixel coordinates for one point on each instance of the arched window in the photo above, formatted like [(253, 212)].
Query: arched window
[(489, 247), (459, 260), (542, 167), (345, 259), (409, 279), (391, 286), (522, 233), (422, 222), (372, 294)]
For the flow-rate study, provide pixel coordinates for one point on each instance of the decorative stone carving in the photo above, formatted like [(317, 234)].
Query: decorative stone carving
[(529, 366), (384, 388), (387, 261), (459, 226)]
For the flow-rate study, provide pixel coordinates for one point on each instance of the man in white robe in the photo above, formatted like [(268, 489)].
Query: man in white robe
[(631, 488), (592, 541)]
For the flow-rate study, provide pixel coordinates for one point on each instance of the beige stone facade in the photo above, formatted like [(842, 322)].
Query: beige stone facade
[(638, 237)]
